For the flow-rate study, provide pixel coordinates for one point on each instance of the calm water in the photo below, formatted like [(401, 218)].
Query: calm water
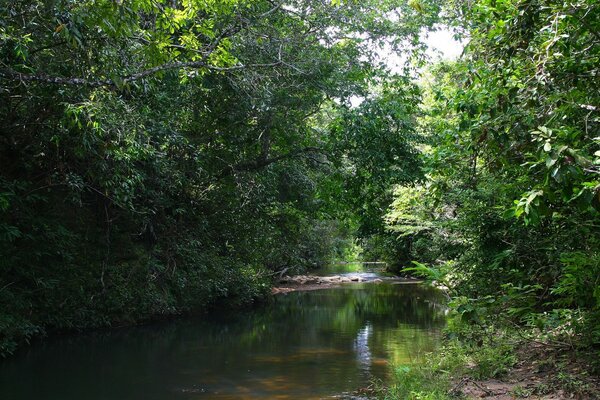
[(305, 345)]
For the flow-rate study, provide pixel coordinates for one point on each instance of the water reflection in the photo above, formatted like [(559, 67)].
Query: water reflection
[(304, 345), (361, 348)]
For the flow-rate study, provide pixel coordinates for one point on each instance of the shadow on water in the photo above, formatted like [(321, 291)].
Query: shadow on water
[(304, 345)]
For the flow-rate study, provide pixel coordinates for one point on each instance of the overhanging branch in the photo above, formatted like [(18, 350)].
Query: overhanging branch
[(24, 77), (242, 23), (264, 162)]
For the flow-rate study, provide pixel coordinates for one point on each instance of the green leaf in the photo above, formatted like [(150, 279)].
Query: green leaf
[(551, 160)]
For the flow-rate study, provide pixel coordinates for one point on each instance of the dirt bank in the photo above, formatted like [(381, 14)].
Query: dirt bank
[(542, 372), (314, 282)]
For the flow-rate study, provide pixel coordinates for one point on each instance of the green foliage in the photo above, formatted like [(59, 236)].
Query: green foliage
[(494, 362), (374, 144), (439, 275), (579, 283), (171, 156), (417, 383), (511, 191), (460, 357)]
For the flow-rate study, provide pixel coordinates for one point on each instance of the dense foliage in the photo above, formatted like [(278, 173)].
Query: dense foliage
[(510, 209), (159, 157)]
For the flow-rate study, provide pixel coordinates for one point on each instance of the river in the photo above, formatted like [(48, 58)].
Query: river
[(304, 345)]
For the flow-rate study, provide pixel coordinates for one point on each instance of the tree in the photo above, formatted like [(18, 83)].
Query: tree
[(158, 157)]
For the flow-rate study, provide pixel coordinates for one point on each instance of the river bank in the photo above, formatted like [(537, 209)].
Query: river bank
[(502, 366), (296, 283), (541, 371)]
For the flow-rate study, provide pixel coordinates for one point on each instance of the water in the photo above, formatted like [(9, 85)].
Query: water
[(305, 345)]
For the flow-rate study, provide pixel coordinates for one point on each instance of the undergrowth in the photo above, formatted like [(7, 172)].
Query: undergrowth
[(435, 378), (472, 353)]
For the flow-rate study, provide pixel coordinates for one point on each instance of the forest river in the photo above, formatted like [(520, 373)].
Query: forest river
[(304, 345)]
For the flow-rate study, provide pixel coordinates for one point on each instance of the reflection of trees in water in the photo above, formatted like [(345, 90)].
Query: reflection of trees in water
[(308, 316), (316, 314), (322, 337), (361, 348)]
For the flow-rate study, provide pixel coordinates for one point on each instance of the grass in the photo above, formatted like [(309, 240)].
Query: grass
[(474, 359), (456, 360), (435, 379)]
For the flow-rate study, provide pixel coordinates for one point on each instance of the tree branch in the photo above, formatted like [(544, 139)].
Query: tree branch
[(11, 74), (263, 162), (24, 77)]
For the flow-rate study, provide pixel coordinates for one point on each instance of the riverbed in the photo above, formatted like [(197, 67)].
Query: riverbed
[(318, 344)]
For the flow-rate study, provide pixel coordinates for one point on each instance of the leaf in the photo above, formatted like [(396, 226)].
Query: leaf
[(416, 5), (545, 130)]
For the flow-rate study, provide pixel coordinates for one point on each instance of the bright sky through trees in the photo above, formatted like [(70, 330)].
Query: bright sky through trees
[(442, 43), (441, 46)]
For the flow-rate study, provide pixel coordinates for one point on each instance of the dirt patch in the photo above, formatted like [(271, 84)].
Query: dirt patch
[(313, 282), (542, 372), (297, 288)]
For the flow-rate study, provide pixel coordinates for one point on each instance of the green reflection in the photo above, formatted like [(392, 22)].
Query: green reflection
[(303, 345)]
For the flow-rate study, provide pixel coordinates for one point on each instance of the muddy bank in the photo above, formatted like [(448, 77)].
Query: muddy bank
[(314, 282)]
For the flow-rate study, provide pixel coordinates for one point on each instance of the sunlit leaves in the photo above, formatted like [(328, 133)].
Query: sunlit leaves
[(512, 158)]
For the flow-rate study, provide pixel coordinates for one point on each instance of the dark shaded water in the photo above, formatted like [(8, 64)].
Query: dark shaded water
[(305, 345)]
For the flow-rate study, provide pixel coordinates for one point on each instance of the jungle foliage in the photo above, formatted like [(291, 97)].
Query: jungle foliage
[(508, 215), (159, 157), (164, 156)]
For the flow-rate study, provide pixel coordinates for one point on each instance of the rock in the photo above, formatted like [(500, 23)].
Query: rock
[(276, 290), (320, 280), (301, 279)]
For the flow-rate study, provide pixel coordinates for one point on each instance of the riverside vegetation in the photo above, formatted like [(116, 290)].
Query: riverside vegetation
[(159, 157)]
